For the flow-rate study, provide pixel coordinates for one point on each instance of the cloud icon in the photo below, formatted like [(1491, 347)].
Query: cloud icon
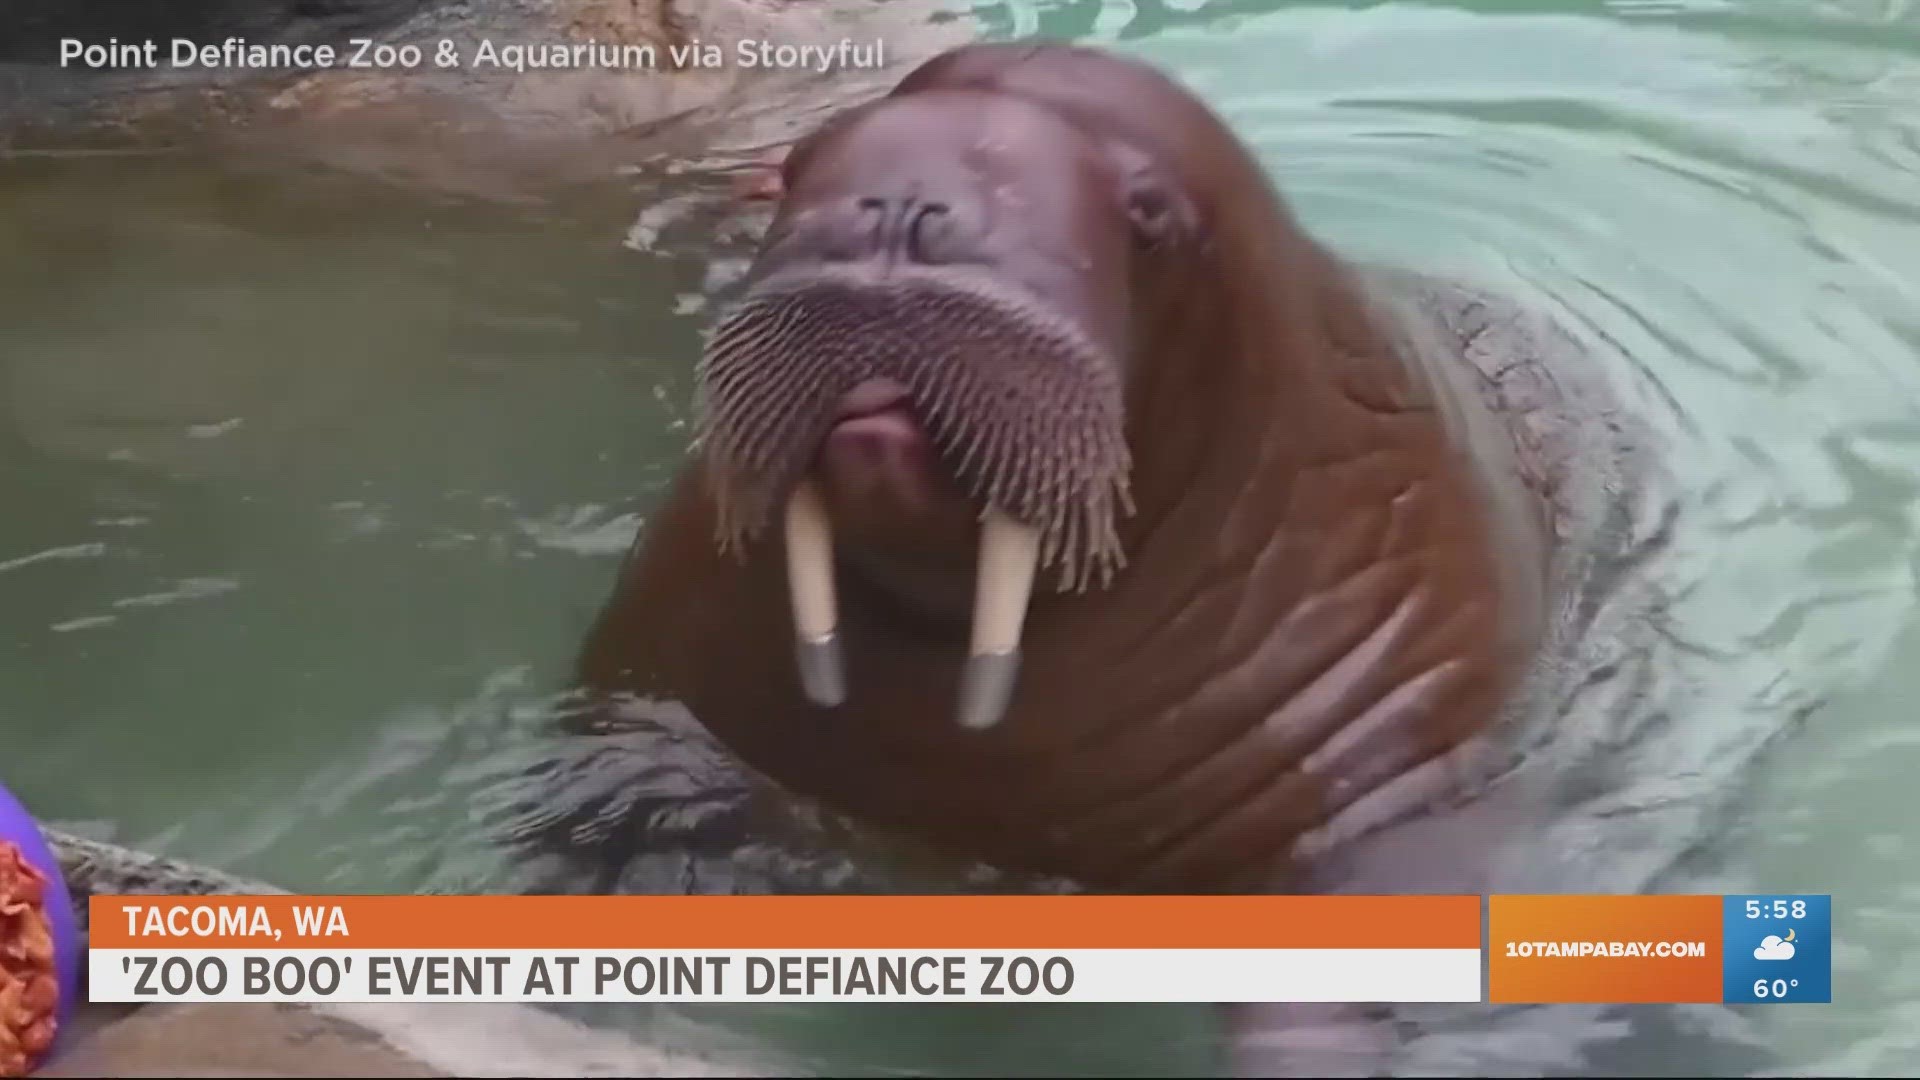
[(1772, 947)]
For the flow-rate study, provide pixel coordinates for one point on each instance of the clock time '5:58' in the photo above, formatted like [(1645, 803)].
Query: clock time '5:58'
[(1777, 949)]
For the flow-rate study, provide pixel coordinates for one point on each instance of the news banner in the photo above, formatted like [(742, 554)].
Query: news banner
[(1513, 949)]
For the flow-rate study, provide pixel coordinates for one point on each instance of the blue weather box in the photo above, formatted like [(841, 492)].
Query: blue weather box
[(1777, 948)]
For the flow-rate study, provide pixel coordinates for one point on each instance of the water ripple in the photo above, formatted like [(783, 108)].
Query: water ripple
[(93, 550)]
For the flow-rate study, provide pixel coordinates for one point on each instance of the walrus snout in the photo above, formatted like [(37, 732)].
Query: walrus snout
[(825, 385)]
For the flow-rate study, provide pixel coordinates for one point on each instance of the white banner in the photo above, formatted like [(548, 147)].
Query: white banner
[(811, 975)]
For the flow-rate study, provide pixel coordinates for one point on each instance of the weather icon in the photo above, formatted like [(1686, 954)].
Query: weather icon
[(1774, 947)]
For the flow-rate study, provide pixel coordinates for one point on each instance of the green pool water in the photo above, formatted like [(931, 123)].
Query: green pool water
[(311, 487)]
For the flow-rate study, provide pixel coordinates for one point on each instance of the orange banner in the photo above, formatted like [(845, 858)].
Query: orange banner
[(1606, 949), (786, 922)]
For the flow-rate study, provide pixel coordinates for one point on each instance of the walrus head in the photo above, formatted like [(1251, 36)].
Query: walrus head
[(932, 354)]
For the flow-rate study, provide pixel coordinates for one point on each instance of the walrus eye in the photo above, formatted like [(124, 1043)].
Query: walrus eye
[(1037, 438), (1158, 212), (1159, 217)]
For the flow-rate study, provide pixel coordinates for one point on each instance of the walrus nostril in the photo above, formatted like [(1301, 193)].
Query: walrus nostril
[(929, 233), (904, 227)]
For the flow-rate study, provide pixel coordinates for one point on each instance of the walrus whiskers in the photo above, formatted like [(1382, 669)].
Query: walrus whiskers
[(816, 617), (1020, 405)]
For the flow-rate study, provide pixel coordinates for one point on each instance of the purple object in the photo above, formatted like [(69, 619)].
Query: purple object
[(18, 827)]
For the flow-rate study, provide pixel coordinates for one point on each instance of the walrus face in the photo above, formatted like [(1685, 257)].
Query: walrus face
[(936, 333)]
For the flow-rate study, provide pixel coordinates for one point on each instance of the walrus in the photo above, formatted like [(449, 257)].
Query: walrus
[(1059, 504)]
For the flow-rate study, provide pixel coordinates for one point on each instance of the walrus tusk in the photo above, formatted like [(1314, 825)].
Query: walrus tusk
[(1009, 554), (810, 577)]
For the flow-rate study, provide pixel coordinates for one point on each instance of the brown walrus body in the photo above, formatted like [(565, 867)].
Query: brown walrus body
[(1339, 562)]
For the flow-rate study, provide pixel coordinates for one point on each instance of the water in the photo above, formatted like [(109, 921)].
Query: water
[(312, 487)]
